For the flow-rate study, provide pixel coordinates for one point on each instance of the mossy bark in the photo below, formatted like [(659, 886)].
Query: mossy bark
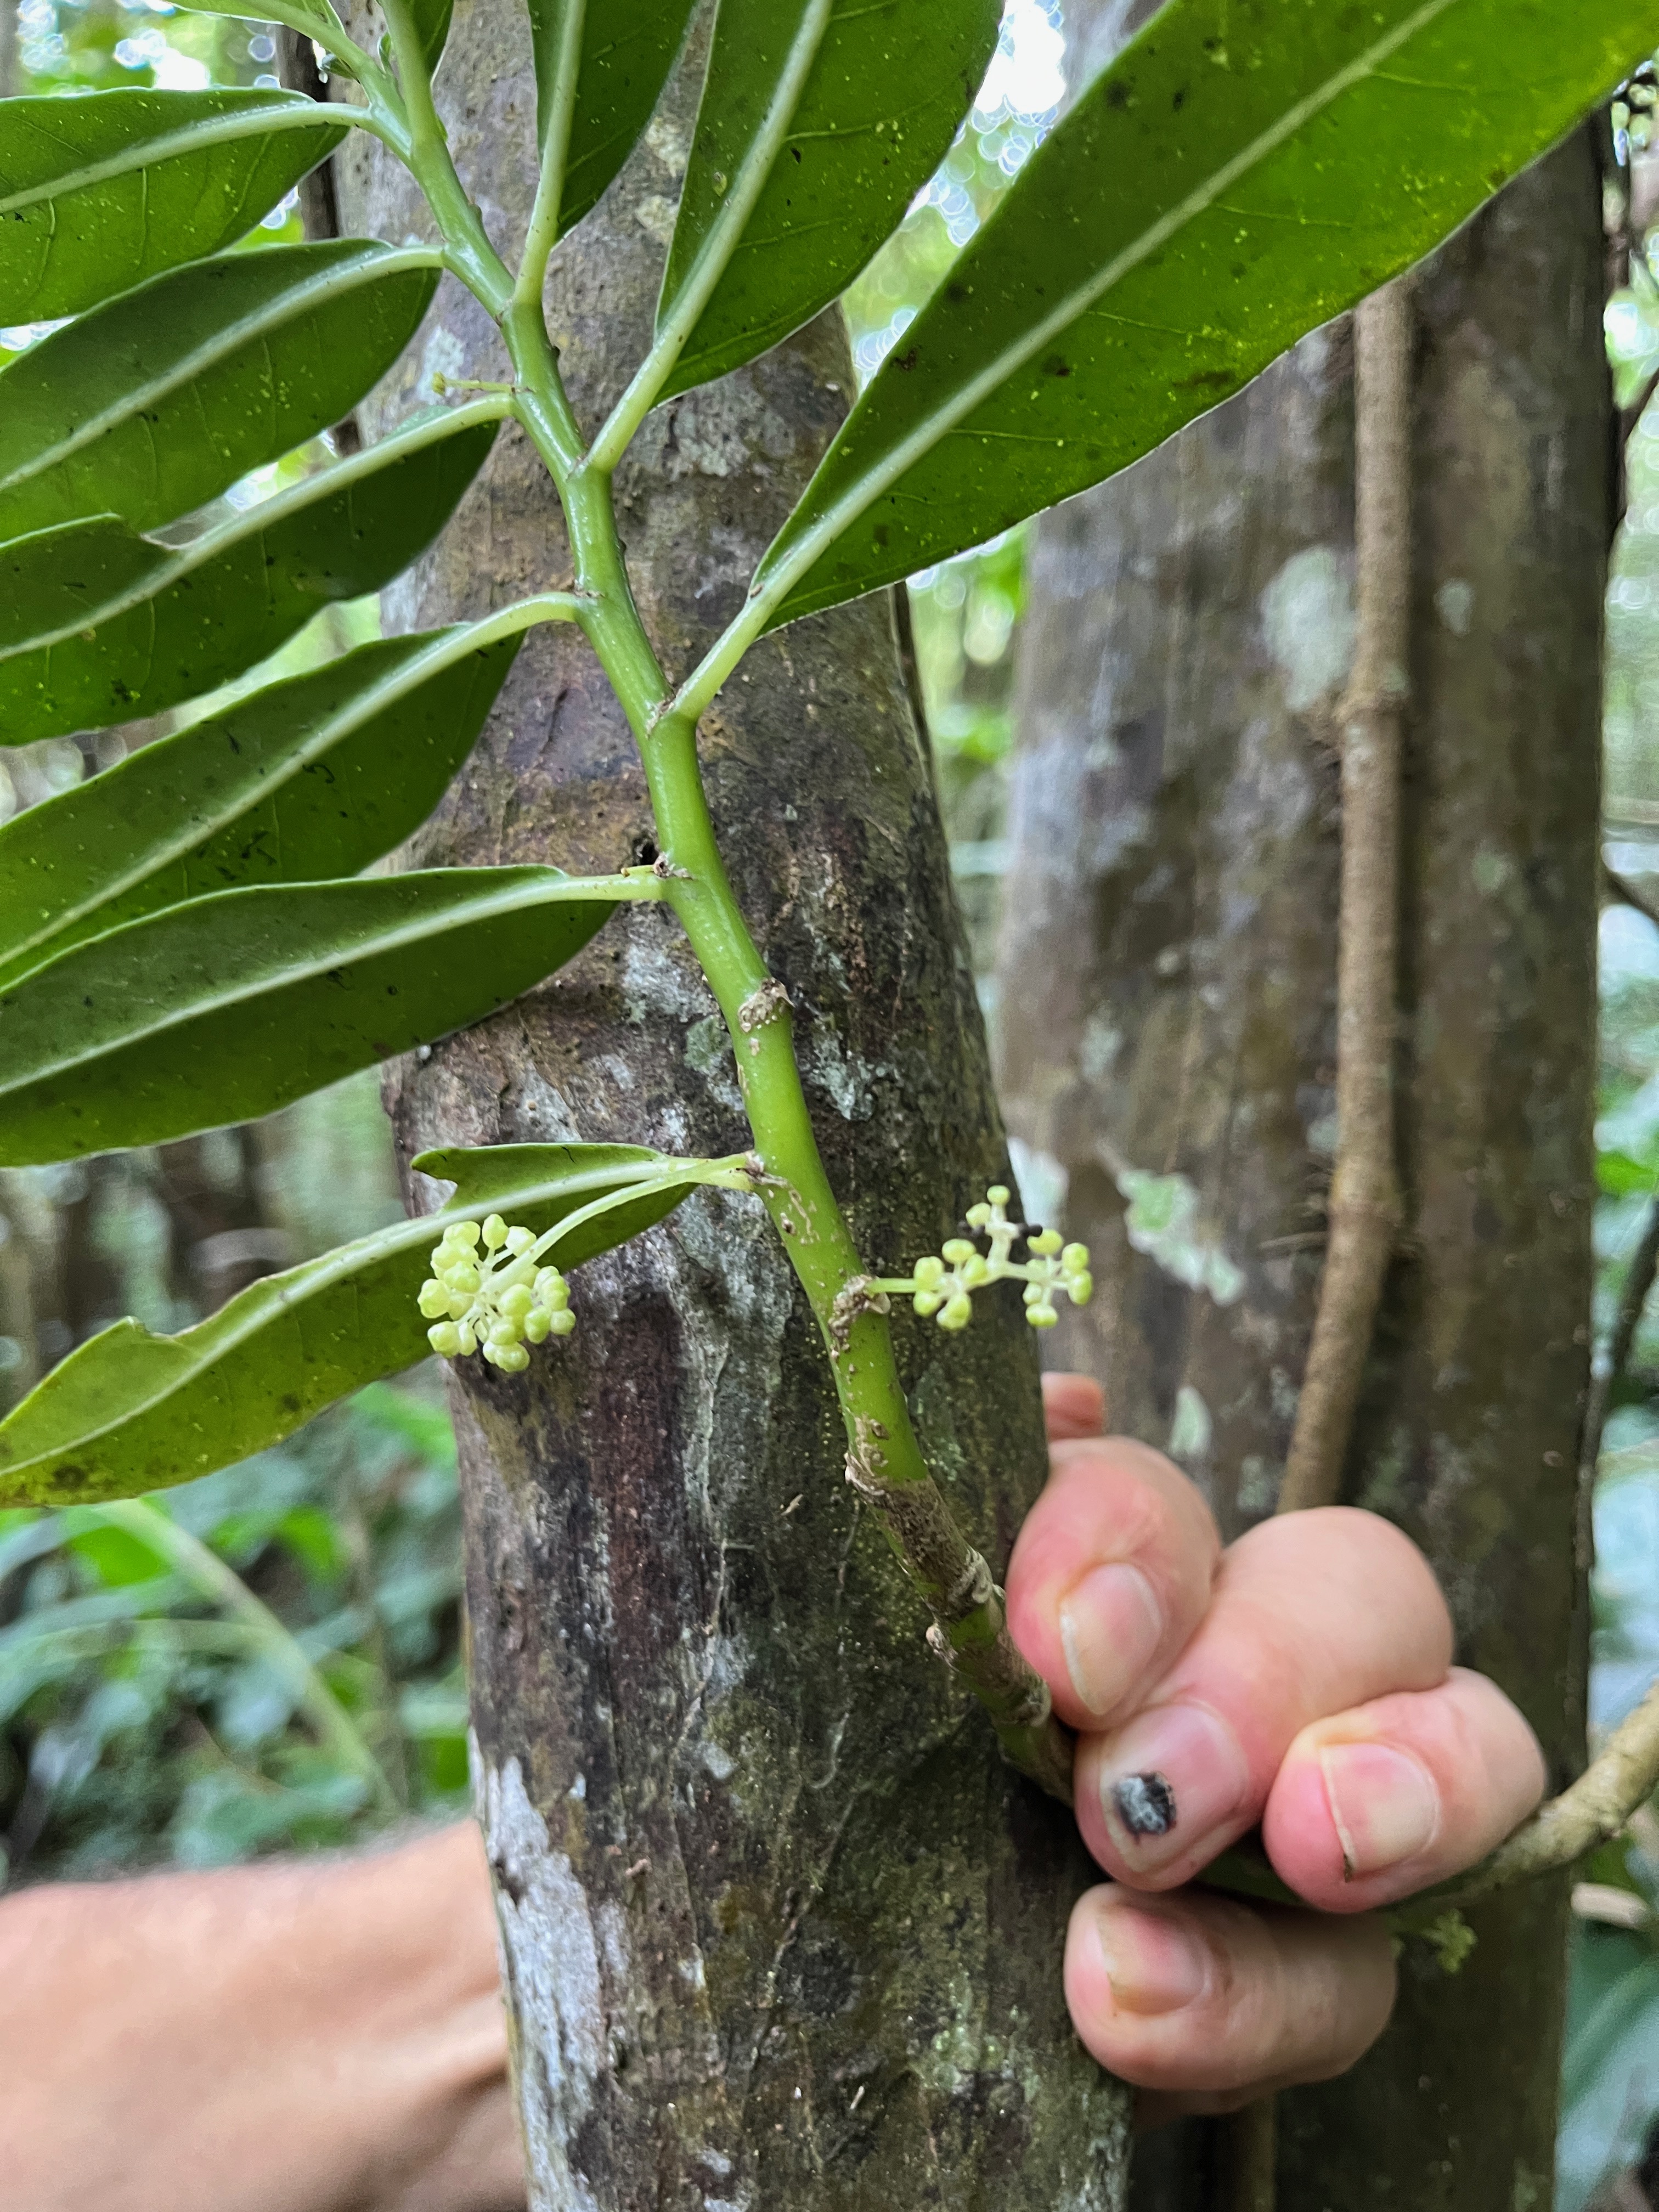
[(779, 1928), (1166, 988)]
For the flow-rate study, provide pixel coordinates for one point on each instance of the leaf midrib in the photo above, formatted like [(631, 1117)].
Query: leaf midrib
[(343, 276), (819, 536), (202, 828), (550, 889), (344, 475), (285, 112)]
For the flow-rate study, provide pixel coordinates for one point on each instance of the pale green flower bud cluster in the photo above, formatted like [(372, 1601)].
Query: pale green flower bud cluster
[(486, 1293), (942, 1286)]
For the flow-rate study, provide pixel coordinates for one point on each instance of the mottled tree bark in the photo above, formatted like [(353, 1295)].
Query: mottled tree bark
[(1167, 978), (778, 1929)]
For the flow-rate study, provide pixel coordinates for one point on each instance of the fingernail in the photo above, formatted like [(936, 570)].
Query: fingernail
[(1110, 1627), (1385, 1807), (1174, 1775), (1152, 1964)]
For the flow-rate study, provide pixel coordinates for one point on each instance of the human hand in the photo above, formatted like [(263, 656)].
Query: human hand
[(1301, 1678), (290, 2037)]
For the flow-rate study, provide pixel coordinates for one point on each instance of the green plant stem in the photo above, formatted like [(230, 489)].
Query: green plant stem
[(192, 1561), (885, 1462)]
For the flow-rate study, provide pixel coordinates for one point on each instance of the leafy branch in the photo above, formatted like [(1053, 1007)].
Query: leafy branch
[(151, 999)]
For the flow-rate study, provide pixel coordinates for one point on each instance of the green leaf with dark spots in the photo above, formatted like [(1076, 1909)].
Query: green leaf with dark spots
[(159, 401), (820, 120), (98, 625), (228, 1007), (100, 191), (311, 778), (1237, 176), (628, 48), (129, 1412)]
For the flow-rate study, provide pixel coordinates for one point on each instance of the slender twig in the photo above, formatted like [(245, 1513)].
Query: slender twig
[(1365, 1200), (1613, 1363), (1623, 1775)]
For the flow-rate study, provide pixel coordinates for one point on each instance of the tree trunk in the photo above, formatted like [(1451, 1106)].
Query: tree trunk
[(1167, 972), (779, 1930)]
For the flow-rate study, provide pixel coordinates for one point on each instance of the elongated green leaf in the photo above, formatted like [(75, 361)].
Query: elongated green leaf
[(319, 22), (627, 49), (100, 191), (432, 20), (228, 1008), (311, 778), (1238, 175), (159, 401), (97, 624), (130, 1411), (819, 120)]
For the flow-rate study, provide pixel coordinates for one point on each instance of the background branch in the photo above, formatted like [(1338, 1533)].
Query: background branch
[(1364, 1203)]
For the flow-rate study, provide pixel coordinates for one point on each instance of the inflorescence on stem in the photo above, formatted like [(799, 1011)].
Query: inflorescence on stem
[(486, 1293), (942, 1284)]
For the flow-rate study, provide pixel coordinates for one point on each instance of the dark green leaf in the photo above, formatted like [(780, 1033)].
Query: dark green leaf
[(130, 1411), (98, 625), (432, 19), (627, 49), (319, 22), (230, 1007), (157, 403), (100, 191), (1234, 179), (819, 121), (311, 778)]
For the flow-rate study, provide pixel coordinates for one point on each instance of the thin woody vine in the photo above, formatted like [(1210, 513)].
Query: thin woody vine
[(169, 964)]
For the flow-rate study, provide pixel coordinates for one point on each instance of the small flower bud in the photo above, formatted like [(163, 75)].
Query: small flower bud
[(1046, 1241), (1041, 1316), (927, 1304), (518, 1241), (433, 1300), (975, 1269), (502, 1332), (494, 1232), (956, 1249), (464, 1277), (515, 1302), (464, 1233), (537, 1323), (978, 1216), (469, 1340), (562, 1322), (513, 1359), (928, 1272), (1074, 1259), (445, 1339), (1081, 1287), (998, 1194), (958, 1311)]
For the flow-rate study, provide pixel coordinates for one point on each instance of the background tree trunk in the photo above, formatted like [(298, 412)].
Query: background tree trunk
[(778, 1929), (1166, 981)]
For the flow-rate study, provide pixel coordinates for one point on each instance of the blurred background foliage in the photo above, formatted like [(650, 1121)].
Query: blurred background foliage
[(272, 1658)]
